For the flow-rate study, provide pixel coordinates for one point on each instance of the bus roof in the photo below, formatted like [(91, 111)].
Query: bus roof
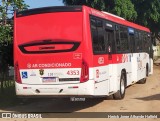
[(115, 18), (113, 15), (102, 14), (49, 10)]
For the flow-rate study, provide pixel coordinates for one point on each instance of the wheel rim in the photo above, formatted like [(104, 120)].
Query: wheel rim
[(122, 86)]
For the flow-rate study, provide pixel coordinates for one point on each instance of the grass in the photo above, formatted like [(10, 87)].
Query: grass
[(8, 97)]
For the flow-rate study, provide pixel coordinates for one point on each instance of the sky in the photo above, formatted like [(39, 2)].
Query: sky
[(43, 3)]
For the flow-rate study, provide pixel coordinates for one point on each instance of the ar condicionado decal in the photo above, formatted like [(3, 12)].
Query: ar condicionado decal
[(49, 65)]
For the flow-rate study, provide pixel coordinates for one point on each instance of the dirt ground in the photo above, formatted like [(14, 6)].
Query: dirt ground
[(139, 98)]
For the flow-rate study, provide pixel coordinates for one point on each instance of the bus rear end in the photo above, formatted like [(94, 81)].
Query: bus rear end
[(49, 53)]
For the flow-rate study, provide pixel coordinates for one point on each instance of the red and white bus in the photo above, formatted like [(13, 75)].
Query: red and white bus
[(78, 51)]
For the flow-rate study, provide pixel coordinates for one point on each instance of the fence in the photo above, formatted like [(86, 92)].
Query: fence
[(6, 78)]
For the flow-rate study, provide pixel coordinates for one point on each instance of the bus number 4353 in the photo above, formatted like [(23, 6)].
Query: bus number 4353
[(73, 72)]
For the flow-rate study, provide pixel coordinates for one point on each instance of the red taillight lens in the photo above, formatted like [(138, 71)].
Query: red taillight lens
[(17, 73), (84, 72)]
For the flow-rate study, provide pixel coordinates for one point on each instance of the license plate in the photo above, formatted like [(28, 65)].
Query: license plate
[(49, 79)]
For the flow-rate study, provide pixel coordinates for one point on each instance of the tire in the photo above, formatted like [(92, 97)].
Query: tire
[(121, 92), (147, 71)]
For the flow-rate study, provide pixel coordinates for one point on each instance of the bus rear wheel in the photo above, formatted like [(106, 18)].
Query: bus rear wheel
[(121, 92)]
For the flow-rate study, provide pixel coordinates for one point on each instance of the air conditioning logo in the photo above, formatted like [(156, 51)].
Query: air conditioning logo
[(29, 65)]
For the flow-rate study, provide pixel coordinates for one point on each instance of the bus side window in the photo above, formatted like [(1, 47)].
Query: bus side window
[(137, 41), (140, 40), (94, 34), (97, 32), (132, 43), (118, 46), (100, 31), (124, 39), (131, 33), (146, 43)]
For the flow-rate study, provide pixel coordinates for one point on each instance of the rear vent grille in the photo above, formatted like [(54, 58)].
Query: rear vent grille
[(43, 47)]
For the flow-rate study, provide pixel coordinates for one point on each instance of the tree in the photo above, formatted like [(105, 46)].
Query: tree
[(123, 8), (97, 4), (7, 8), (148, 14), (143, 12)]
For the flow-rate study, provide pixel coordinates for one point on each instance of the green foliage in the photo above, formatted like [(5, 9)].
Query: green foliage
[(19, 4), (7, 7), (6, 26), (97, 4), (5, 34), (123, 8), (14, 4), (143, 12), (148, 14)]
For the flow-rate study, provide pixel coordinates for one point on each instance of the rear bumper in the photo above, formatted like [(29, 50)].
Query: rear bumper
[(65, 90), (58, 96)]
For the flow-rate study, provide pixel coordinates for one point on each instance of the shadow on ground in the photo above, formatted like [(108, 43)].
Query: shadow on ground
[(9, 102), (53, 105), (149, 98)]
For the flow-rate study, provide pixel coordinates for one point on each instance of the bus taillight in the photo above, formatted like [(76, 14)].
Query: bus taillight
[(17, 74), (84, 72)]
